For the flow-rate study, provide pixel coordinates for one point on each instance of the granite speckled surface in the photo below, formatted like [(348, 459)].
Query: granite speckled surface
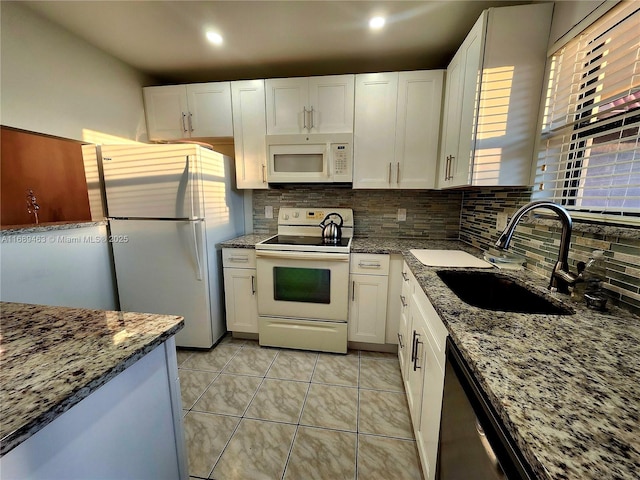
[(48, 227), (245, 241), (567, 387), (53, 357)]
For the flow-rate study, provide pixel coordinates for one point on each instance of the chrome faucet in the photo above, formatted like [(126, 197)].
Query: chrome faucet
[(561, 277)]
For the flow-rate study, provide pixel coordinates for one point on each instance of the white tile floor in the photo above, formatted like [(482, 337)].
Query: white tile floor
[(267, 413)]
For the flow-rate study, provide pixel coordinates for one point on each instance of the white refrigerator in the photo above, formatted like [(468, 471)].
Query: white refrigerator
[(168, 206)]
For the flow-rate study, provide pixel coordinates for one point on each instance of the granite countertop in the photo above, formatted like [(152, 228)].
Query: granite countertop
[(567, 387), (47, 227), (53, 357), (245, 241)]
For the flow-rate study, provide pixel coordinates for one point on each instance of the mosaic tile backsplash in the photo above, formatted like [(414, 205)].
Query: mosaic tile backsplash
[(431, 214), (539, 241)]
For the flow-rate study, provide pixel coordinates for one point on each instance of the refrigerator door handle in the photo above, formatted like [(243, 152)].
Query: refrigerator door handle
[(192, 187), (194, 229)]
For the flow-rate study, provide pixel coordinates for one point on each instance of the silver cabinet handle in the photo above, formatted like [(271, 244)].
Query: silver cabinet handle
[(253, 285), (239, 259), (413, 346), (389, 177), (398, 172), (403, 301), (353, 291), (369, 265), (184, 125), (404, 275), (304, 117), (416, 339), (453, 159), (400, 341), (190, 122), (264, 175), (312, 115)]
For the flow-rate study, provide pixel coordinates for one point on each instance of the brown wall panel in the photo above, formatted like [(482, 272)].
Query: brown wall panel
[(52, 167)]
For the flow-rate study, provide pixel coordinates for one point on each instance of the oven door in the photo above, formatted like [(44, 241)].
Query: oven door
[(305, 285)]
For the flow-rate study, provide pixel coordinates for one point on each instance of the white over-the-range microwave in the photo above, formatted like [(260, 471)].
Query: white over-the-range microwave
[(310, 158)]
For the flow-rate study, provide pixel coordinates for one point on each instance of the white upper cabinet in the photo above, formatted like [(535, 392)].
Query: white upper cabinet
[(249, 129), (310, 104), (188, 111), (396, 130), (492, 98)]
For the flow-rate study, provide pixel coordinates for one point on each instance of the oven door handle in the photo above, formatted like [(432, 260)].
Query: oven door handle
[(319, 257)]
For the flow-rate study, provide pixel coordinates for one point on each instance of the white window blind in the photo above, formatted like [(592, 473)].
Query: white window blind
[(589, 156)]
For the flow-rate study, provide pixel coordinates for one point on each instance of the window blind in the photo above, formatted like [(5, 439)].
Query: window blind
[(589, 155)]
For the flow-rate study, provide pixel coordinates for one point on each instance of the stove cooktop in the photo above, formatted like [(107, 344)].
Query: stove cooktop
[(298, 240)]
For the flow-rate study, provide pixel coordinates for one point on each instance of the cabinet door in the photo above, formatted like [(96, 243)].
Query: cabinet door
[(404, 344), (166, 110), (241, 301), (287, 100), (428, 429), (415, 378), (472, 50), (249, 129), (374, 130), (451, 119), (418, 128), (368, 309), (210, 109), (331, 101)]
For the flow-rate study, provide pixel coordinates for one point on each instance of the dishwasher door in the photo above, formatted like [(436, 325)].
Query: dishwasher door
[(474, 444)]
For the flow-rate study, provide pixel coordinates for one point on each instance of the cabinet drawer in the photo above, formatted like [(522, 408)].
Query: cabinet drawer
[(239, 257), (369, 264)]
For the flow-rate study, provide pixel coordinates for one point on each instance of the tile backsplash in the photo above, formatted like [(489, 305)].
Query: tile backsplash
[(430, 214), (539, 241)]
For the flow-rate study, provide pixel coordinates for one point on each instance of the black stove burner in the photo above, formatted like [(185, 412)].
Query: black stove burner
[(307, 241)]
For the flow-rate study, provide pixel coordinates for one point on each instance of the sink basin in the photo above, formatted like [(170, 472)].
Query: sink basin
[(498, 292)]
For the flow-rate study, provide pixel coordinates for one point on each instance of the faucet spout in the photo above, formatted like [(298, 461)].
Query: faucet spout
[(561, 277)]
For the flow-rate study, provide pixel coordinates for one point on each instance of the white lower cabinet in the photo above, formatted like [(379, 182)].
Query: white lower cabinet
[(368, 298), (422, 355), (240, 296)]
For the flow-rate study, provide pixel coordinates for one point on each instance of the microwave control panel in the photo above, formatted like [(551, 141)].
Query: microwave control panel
[(341, 158)]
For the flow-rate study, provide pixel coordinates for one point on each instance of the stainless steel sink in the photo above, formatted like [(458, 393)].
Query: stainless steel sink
[(494, 291)]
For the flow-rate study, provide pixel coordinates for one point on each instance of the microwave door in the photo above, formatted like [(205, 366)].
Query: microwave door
[(298, 163)]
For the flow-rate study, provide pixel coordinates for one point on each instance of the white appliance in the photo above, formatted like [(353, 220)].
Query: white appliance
[(303, 282), (310, 158), (168, 205)]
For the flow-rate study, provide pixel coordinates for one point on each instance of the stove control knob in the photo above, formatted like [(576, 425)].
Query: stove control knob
[(296, 214), (285, 216)]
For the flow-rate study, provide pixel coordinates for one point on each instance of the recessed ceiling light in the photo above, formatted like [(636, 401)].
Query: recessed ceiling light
[(214, 38), (376, 23)]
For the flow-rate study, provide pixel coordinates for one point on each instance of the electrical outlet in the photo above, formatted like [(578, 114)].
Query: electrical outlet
[(268, 211), (501, 221), (402, 214)]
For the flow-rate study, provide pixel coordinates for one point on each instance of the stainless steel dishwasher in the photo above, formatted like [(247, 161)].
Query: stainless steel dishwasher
[(473, 445)]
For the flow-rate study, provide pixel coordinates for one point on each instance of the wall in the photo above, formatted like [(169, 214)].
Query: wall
[(63, 267), (430, 214), (539, 241), (53, 82)]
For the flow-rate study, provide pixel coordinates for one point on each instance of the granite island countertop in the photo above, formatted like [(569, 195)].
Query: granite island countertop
[(567, 387), (53, 357)]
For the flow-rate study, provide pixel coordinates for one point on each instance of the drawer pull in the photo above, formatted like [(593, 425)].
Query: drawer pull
[(403, 301), (239, 259), (400, 341), (405, 276), (369, 264)]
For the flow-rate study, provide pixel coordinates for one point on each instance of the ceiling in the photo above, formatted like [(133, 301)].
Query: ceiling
[(266, 39)]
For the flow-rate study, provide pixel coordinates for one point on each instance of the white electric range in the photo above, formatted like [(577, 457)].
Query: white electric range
[(303, 282)]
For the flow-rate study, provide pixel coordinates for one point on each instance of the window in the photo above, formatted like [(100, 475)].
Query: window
[(589, 157)]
